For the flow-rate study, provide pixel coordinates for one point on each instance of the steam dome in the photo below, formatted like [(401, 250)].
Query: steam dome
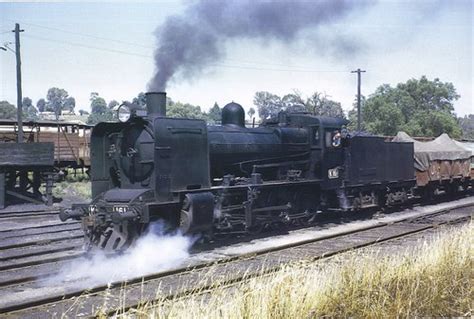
[(233, 114)]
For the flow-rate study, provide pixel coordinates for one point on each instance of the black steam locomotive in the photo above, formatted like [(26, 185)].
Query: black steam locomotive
[(209, 179)]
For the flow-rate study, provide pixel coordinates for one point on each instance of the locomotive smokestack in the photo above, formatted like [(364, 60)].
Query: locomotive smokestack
[(156, 104)]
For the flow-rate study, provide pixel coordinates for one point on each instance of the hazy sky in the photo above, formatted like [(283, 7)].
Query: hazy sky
[(108, 48)]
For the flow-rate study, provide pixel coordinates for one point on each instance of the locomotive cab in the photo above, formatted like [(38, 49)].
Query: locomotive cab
[(325, 142)]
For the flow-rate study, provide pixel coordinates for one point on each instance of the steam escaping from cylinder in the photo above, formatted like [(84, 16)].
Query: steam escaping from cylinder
[(154, 252), (189, 42), (343, 200)]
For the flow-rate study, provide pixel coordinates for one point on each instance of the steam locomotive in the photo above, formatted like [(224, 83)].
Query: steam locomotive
[(208, 179)]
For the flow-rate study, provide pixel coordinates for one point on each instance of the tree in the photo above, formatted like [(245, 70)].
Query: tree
[(69, 104), (83, 112), (215, 114), (251, 112), (294, 102), (140, 99), (29, 111), (95, 118), (418, 107), (319, 104), (55, 100), (383, 119), (7, 111), (352, 114), (467, 126), (98, 104), (185, 110), (41, 105), (112, 104), (268, 104), (99, 110)]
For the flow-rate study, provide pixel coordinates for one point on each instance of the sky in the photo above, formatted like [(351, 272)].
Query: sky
[(108, 48)]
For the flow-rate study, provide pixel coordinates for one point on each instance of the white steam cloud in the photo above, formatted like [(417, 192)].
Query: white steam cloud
[(156, 251)]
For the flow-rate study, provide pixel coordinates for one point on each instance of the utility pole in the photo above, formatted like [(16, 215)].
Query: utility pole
[(358, 71), (18, 83)]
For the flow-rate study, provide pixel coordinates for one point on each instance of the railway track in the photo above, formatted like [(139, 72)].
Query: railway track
[(32, 247), (29, 213), (228, 266), (35, 242)]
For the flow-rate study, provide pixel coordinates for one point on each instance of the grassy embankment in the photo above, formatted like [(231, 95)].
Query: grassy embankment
[(429, 279)]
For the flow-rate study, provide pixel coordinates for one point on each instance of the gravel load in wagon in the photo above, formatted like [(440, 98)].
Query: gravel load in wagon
[(438, 160)]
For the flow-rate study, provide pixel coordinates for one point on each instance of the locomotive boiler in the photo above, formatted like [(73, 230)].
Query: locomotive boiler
[(208, 179)]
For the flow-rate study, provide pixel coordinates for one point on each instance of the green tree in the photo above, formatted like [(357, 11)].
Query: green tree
[(29, 111), (467, 126), (319, 104), (99, 110), (384, 119), (215, 114), (184, 110), (251, 112), (7, 111), (418, 107), (268, 104), (352, 114), (95, 118), (140, 99), (294, 102), (56, 100), (69, 104), (98, 104), (112, 104), (41, 105)]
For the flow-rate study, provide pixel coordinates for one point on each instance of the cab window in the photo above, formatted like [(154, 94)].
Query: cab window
[(333, 138), (316, 138)]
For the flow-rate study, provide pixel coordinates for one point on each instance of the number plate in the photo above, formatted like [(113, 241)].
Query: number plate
[(93, 209), (119, 209), (333, 173)]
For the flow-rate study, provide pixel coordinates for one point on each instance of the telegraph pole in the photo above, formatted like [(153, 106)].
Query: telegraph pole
[(18, 83), (358, 71)]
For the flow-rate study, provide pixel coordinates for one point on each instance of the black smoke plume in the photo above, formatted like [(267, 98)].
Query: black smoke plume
[(189, 42)]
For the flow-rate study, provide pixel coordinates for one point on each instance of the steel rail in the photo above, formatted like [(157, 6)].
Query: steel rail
[(45, 225), (53, 300), (28, 214)]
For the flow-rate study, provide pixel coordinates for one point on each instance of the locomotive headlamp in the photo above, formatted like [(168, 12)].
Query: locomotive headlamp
[(123, 113)]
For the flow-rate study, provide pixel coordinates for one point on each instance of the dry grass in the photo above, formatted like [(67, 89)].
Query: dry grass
[(431, 279)]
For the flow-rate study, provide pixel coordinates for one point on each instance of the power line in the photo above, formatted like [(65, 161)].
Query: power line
[(88, 46), (221, 65), (150, 47), (278, 70), (274, 64), (87, 35)]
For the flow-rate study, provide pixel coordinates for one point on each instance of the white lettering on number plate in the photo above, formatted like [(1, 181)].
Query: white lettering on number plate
[(333, 173)]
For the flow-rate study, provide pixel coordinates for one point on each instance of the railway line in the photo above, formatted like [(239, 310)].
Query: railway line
[(35, 242), (32, 296), (34, 247), (28, 213)]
